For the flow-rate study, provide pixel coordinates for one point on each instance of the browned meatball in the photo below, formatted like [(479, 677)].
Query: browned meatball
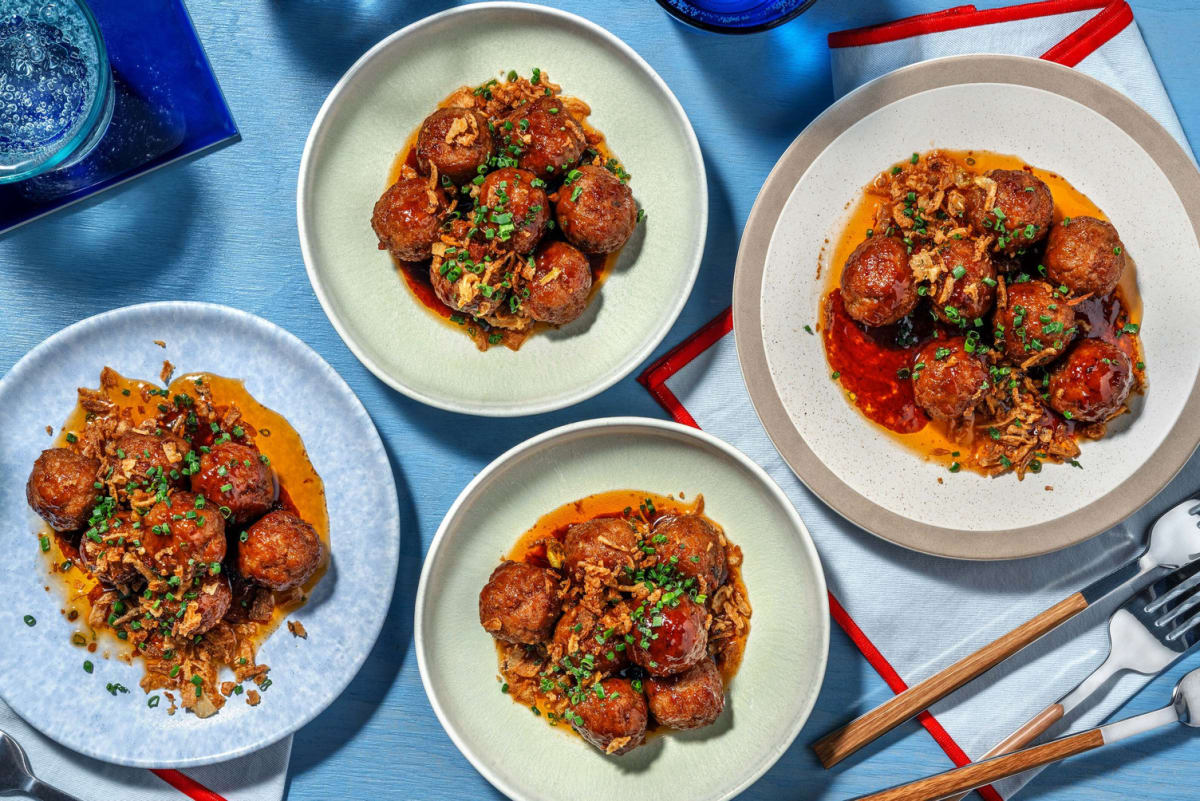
[(1035, 325), (1021, 213), (102, 550), (562, 280), (966, 290), (456, 275), (456, 141), (1092, 383), (280, 551), (550, 139), (947, 380), (1085, 255), (61, 488), (670, 636), (606, 542), (513, 208), (233, 477), (877, 283), (520, 603), (594, 642), (206, 603), (407, 217), (596, 210), (690, 700), (611, 716), (181, 528), (694, 547)]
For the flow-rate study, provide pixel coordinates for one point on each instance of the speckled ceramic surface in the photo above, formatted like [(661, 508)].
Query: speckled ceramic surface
[(367, 119), (767, 702), (1054, 118), (43, 676)]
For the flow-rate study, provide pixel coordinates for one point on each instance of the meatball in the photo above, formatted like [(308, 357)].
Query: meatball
[(966, 290), (562, 281), (1022, 211), (1092, 383), (449, 273), (233, 476), (520, 603), (280, 551), (606, 541), (670, 638), (596, 210), (1035, 325), (62, 488), (580, 634), (550, 139), (407, 218), (212, 599), (102, 552), (514, 207), (947, 380), (456, 141), (690, 700), (1085, 255), (611, 716), (877, 283), (146, 459), (183, 527), (696, 548)]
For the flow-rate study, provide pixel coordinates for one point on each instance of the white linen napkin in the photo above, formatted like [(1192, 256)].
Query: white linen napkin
[(257, 777), (905, 632)]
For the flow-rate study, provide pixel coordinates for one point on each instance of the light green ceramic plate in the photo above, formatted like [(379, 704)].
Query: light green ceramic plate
[(366, 120), (768, 700)]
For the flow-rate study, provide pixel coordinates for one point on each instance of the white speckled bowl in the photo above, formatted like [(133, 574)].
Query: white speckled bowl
[(366, 120), (769, 698), (43, 676), (1054, 118)]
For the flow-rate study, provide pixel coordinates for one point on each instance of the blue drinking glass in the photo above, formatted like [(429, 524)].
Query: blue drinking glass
[(735, 16), (56, 86)]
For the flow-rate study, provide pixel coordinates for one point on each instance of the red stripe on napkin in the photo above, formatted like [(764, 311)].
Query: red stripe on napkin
[(1090, 36), (188, 786)]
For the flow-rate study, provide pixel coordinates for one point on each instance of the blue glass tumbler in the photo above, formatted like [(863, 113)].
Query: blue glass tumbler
[(735, 16)]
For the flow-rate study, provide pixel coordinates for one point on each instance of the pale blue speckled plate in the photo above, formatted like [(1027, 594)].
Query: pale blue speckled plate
[(41, 673)]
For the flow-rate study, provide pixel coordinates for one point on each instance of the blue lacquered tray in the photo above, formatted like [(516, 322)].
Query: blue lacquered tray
[(168, 107)]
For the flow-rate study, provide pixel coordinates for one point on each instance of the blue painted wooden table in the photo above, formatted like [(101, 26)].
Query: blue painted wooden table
[(223, 229)]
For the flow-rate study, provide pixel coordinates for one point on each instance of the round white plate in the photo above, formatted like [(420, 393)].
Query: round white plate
[(768, 700), (366, 120), (1054, 118), (44, 680)]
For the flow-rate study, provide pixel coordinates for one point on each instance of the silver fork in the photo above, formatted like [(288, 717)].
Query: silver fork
[(16, 775), (1184, 708)]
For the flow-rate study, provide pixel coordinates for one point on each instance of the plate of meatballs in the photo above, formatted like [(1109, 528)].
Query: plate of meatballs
[(184, 540), (981, 313), (510, 236), (623, 624)]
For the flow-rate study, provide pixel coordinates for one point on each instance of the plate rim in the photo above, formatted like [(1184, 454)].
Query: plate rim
[(632, 360), (1077, 526), (178, 307), (598, 425)]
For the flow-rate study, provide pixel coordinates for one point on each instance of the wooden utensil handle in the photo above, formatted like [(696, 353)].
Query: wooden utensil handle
[(833, 748), (1024, 735), (978, 774)]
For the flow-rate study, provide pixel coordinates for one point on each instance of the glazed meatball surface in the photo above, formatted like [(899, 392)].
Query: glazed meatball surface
[(144, 458), (673, 638), (596, 211), (103, 552), (280, 551), (515, 207), (213, 596), (551, 140), (580, 633), (966, 290), (691, 700), (233, 476), (61, 488), (1021, 214), (562, 280), (1092, 383), (456, 141), (606, 541), (612, 717), (877, 283), (520, 603), (951, 382), (178, 529), (449, 276), (696, 548), (1036, 325), (1085, 255), (407, 217)]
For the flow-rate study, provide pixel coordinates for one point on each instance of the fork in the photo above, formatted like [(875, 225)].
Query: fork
[(16, 775), (1184, 708), (1174, 541)]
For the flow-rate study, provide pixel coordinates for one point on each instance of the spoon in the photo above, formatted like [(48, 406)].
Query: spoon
[(16, 776)]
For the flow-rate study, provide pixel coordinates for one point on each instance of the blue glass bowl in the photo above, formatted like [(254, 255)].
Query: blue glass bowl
[(735, 16)]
